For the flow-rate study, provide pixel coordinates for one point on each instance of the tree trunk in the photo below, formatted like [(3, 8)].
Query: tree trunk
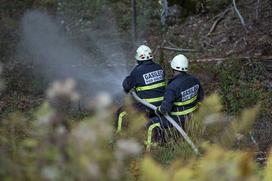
[(134, 21)]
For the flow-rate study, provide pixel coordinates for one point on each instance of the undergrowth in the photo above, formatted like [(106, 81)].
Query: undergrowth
[(49, 145)]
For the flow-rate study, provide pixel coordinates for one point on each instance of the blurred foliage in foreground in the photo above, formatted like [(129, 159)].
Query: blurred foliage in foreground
[(51, 146)]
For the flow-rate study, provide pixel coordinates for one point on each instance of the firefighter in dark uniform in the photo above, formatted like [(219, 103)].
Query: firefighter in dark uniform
[(182, 96), (148, 81)]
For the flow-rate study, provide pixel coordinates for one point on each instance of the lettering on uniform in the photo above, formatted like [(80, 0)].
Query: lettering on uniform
[(189, 93), (152, 77)]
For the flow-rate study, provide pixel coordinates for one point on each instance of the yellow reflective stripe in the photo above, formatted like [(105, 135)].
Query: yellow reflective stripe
[(186, 102), (151, 100), (149, 87), (149, 134), (120, 121), (187, 111)]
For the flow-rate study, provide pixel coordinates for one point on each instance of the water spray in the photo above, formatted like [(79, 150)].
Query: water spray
[(99, 66)]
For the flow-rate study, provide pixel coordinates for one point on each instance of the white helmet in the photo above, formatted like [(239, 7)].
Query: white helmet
[(180, 63), (143, 53)]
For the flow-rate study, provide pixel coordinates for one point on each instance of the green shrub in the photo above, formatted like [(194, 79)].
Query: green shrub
[(241, 84)]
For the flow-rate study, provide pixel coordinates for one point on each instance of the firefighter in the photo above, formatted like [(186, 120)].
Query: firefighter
[(182, 96), (147, 79)]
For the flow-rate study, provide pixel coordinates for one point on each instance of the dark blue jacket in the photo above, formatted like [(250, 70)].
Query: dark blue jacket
[(148, 79), (181, 96)]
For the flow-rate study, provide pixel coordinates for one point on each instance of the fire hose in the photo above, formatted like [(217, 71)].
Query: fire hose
[(180, 130)]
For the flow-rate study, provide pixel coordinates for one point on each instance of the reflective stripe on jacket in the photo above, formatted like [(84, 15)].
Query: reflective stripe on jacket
[(182, 95), (148, 79)]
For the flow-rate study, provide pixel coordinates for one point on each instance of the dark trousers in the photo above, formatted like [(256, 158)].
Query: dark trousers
[(159, 129)]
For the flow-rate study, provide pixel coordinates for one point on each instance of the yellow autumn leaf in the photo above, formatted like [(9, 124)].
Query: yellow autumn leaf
[(184, 174), (239, 125), (197, 126), (152, 171), (268, 169), (213, 103)]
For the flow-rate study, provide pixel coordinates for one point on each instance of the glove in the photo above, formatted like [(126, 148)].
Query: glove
[(158, 111)]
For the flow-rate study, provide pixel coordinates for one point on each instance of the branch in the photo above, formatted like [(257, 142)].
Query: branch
[(164, 13), (264, 59), (218, 19), (134, 20), (239, 15), (257, 9), (171, 44), (159, 47), (178, 49)]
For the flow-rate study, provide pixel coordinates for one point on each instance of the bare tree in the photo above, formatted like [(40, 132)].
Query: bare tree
[(134, 20), (164, 13), (257, 9)]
